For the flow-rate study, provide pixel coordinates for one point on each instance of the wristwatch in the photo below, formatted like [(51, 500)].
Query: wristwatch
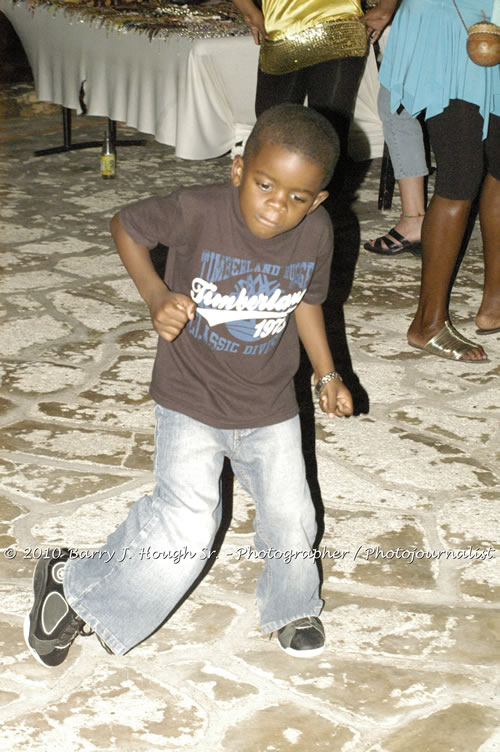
[(323, 381)]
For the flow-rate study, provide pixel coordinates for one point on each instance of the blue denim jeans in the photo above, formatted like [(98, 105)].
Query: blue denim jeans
[(132, 584)]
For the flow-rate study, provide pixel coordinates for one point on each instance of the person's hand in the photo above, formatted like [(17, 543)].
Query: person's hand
[(255, 20), (335, 399), (170, 312), (375, 21)]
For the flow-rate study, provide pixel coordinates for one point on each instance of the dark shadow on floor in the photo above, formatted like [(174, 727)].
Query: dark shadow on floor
[(345, 257)]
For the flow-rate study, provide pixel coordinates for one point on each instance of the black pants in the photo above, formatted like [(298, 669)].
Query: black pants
[(461, 153), (331, 88)]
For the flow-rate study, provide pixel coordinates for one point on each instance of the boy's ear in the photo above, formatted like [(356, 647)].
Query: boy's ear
[(237, 170), (320, 197)]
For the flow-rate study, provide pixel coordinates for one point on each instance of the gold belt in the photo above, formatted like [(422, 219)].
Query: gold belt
[(329, 40)]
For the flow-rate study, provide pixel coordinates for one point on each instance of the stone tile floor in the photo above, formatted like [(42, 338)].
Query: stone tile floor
[(409, 487)]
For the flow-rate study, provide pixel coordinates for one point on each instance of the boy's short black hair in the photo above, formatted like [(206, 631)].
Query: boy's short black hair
[(299, 129)]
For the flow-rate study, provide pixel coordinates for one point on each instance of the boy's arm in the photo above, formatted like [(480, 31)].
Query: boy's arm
[(377, 18), (335, 398), (170, 311), (253, 17)]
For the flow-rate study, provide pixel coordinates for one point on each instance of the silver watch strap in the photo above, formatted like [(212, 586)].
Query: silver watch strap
[(323, 381)]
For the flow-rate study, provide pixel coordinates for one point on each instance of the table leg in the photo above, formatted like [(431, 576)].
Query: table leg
[(67, 144)]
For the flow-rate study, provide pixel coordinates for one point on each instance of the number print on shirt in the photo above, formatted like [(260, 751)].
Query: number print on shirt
[(253, 300)]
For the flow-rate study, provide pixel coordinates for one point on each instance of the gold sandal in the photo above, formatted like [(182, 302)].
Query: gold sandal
[(449, 343)]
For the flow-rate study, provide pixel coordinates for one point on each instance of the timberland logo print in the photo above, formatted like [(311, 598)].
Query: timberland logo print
[(248, 303)]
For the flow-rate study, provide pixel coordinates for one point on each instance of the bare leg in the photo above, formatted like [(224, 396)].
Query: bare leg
[(412, 209), (442, 234), (488, 316)]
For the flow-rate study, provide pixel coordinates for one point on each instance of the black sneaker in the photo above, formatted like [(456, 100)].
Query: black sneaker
[(51, 626), (303, 638)]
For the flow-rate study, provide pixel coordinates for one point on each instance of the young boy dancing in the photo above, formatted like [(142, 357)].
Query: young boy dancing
[(247, 270)]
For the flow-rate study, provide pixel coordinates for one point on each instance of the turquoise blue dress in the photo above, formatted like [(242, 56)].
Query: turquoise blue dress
[(426, 64)]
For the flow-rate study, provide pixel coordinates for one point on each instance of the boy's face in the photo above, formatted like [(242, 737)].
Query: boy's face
[(277, 188)]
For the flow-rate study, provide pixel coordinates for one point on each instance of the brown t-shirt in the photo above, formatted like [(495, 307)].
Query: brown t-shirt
[(233, 365)]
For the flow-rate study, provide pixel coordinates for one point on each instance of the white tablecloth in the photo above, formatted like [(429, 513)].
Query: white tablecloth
[(194, 94)]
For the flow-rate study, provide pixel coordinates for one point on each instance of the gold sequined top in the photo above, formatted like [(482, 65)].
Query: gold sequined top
[(284, 18), (300, 33)]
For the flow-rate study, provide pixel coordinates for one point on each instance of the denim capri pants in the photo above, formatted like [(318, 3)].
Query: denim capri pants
[(404, 139)]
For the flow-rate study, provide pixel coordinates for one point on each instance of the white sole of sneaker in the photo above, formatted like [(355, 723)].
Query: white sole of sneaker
[(26, 632), (303, 653)]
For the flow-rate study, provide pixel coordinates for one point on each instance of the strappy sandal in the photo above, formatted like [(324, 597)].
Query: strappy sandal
[(386, 246), (449, 343)]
